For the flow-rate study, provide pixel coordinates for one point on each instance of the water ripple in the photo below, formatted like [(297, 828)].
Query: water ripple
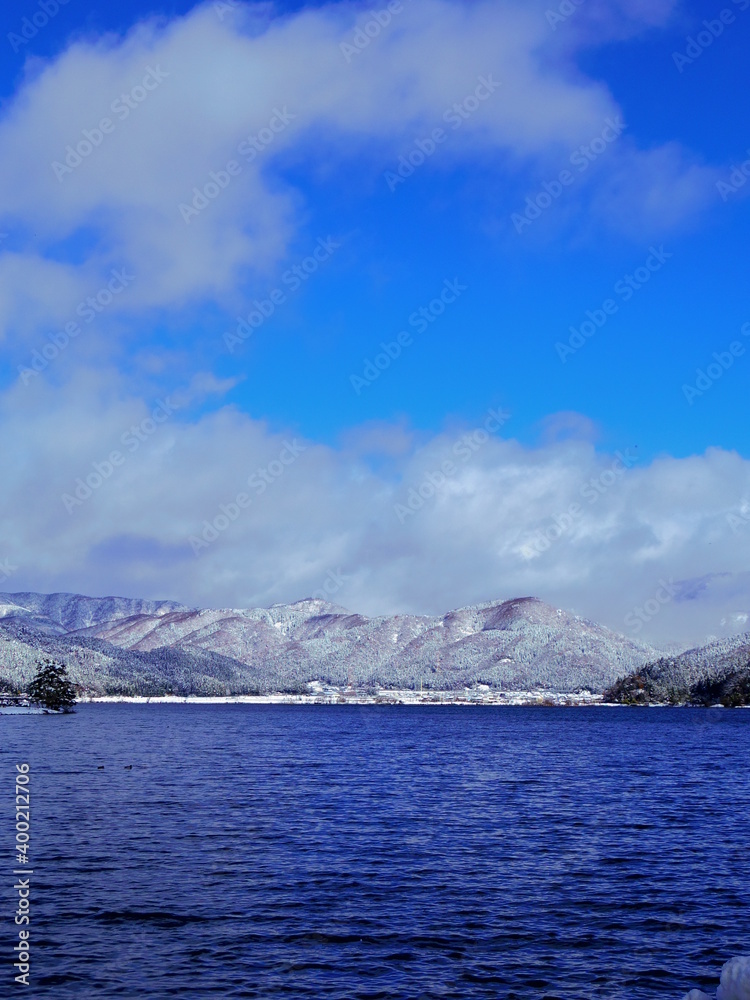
[(347, 853)]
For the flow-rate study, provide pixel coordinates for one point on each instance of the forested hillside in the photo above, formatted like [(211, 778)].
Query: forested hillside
[(120, 646), (718, 673)]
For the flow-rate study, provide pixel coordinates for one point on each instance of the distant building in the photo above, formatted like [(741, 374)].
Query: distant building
[(8, 700)]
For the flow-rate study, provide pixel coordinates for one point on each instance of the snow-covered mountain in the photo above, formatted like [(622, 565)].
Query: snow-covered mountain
[(716, 673), (511, 645), (66, 612)]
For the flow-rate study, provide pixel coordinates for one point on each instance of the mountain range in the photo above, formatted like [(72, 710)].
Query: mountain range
[(115, 645), (126, 646)]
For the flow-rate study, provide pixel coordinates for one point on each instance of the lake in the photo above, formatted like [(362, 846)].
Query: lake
[(372, 852)]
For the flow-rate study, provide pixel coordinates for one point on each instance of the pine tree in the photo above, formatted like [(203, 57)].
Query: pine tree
[(51, 687)]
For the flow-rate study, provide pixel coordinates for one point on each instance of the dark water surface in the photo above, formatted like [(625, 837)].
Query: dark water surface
[(340, 853)]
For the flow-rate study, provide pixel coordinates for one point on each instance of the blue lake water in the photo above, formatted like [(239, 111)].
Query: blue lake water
[(340, 853)]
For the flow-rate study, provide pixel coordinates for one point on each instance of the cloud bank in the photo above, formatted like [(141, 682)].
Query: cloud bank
[(146, 175), (103, 492), (103, 145)]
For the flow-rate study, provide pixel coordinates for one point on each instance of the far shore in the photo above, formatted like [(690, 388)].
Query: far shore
[(543, 699), (383, 697)]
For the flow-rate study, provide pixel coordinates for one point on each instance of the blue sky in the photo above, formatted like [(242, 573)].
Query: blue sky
[(453, 220), (650, 194)]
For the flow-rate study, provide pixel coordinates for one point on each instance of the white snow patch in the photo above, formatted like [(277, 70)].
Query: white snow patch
[(12, 609), (735, 982)]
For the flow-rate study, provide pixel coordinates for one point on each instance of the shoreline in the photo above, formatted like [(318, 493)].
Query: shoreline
[(383, 697), (513, 699), (509, 699)]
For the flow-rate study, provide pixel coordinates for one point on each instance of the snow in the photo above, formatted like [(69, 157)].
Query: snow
[(735, 982), (12, 609)]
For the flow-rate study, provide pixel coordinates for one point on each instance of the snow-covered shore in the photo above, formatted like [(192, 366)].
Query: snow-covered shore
[(350, 697), (22, 710)]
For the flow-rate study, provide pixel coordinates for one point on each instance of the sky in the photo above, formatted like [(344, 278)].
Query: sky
[(411, 306)]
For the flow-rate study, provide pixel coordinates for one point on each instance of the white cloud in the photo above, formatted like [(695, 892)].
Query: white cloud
[(479, 537), (652, 191), (181, 96), (213, 83), (35, 292)]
